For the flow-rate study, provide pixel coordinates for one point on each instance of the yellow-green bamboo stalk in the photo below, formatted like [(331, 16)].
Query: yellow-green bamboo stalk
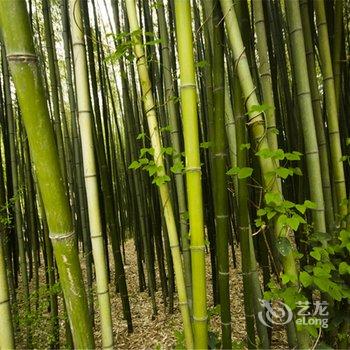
[(85, 123), (331, 108), (184, 37), (265, 72), (149, 107), (6, 337), (26, 76), (255, 122)]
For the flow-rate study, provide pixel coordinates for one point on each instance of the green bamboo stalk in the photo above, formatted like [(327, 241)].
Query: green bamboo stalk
[(24, 69), (265, 73), (16, 190), (337, 47), (149, 107), (251, 283), (175, 141), (86, 135), (255, 121), (219, 167), (193, 168), (306, 112), (6, 326), (331, 109), (50, 46), (319, 122)]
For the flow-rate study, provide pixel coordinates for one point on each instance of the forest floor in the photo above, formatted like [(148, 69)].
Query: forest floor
[(150, 331)]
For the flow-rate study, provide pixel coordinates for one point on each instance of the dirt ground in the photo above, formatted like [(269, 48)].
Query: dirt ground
[(150, 331)]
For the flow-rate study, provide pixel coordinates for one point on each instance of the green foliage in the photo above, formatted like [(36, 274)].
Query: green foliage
[(178, 167), (205, 144), (287, 214), (257, 109), (242, 173), (125, 42), (328, 268), (39, 318)]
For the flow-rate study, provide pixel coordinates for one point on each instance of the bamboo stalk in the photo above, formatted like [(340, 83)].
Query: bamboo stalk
[(149, 107), (31, 97)]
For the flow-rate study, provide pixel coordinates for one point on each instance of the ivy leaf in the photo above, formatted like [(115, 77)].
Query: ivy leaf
[(305, 279), (344, 237), (140, 136), (293, 156), (160, 180), (321, 272), (285, 278), (244, 146), (258, 109), (301, 208), (205, 144), (297, 171), (310, 205), (316, 254), (267, 153), (144, 151), (166, 128), (344, 268), (245, 172), (271, 214), (152, 169), (293, 223), (273, 197), (134, 165), (178, 167), (167, 150), (283, 246), (233, 171), (144, 161), (261, 212), (322, 283), (283, 172)]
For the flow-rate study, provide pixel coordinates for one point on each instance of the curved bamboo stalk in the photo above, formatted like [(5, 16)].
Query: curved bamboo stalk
[(149, 107), (175, 140), (256, 121), (24, 69)]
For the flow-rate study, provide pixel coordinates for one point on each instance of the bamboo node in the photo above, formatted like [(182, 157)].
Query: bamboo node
[(222, 216), (221, 154), (200, 319), (193, 169), (104, 292), (22, 57), (198, 247), (183, 303), (57, 236), (223, 273), (227, 324), (4, 301), (187, 85)]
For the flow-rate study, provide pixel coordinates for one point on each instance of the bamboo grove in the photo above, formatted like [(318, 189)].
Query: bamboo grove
[(212, 134)]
